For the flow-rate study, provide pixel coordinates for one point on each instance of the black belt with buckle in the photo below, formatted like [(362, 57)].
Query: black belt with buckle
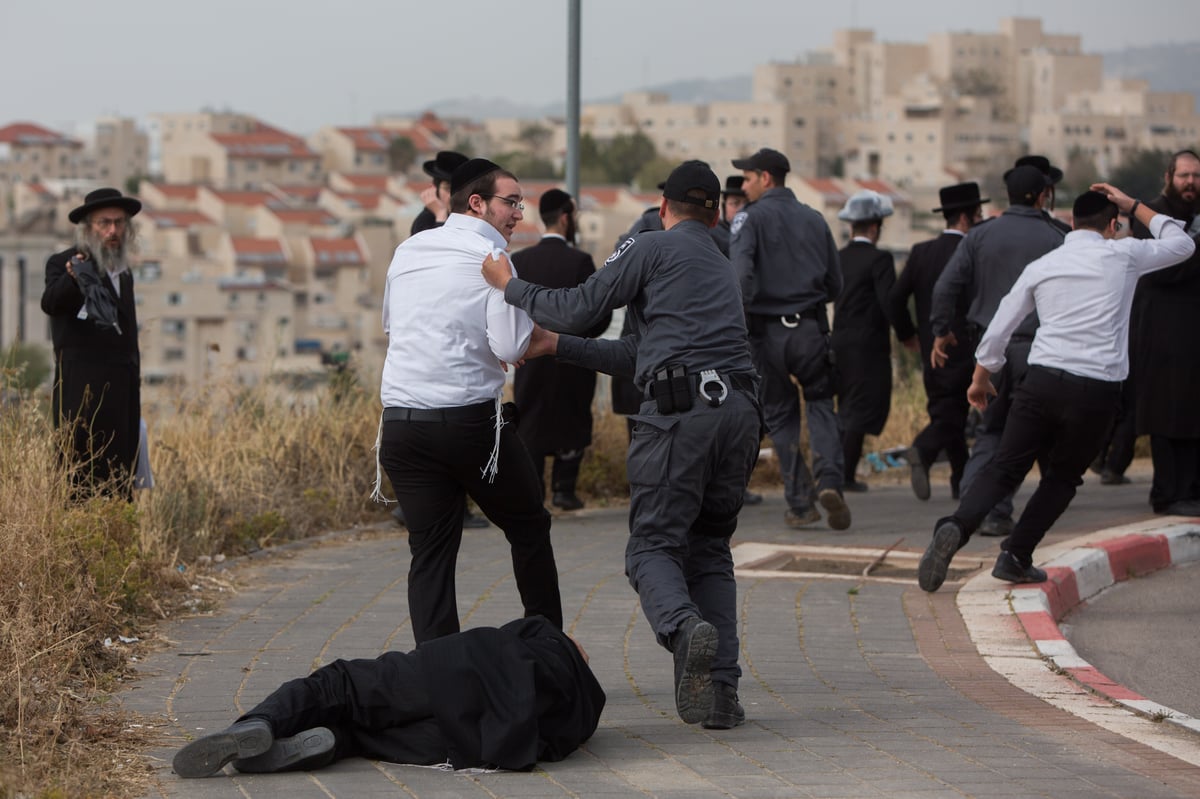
[(461, 413), (742, 381)]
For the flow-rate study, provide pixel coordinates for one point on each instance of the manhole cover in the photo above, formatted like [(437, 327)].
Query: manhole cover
[(847, 563)]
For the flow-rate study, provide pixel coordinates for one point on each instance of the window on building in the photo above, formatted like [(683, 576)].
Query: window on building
[(174, 298)]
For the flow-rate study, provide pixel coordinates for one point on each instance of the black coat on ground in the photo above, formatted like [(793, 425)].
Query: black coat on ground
[(97, 372), (555, 399), (862, 342)]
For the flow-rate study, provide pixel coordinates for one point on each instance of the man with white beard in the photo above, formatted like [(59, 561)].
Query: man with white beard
[(93, 324)]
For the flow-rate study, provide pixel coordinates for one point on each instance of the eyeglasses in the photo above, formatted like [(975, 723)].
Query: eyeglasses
[(516, 205), (117, 222)]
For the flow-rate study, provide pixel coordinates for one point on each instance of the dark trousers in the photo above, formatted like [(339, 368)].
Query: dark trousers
[(564, 470), (990, 431), (376, 708), (1176, 471), (1117, 453), (946, 403), (802, 352), (687, 478), (1056, 419), (852, 447), (432, 465)]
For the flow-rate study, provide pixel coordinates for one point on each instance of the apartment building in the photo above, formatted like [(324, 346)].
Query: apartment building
[(30, 153)]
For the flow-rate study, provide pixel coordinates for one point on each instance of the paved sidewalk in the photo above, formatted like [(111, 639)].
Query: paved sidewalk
[(852, 688)]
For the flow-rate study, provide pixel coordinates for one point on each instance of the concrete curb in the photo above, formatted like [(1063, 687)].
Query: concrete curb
[(1084, 572), (1004, 620)]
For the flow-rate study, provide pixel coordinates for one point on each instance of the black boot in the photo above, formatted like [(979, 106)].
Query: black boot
[(563, 476)]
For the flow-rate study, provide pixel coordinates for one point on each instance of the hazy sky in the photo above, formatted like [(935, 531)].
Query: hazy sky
[(302, 64)]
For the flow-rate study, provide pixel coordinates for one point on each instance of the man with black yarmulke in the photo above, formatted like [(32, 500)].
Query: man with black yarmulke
[(1082, 293), (443, 436)]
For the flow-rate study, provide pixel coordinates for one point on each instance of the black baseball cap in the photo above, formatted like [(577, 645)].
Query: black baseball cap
[(692, 176), (1024, 184), (765, 160)]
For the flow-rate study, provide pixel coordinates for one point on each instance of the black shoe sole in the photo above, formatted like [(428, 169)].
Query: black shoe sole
[(208, 754), (694, 691), (304, 751), (838, 512), (931, 571)]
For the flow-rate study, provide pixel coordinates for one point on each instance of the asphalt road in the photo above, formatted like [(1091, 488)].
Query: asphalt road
[(1145, 634)]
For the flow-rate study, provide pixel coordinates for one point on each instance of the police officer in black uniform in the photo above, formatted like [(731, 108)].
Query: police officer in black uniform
[(697, 432), (787, 261)]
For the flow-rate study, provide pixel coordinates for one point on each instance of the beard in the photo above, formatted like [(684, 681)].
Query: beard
[(1177, 198), (110, 257)]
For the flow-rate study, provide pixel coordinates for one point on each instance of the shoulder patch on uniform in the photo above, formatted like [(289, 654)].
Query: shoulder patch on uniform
[(625, 245), (739, 219)]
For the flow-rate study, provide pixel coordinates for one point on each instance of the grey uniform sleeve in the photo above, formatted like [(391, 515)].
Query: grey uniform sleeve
[(742, 250), (950, 285), (583, 307), (614, 357), (833, 267)]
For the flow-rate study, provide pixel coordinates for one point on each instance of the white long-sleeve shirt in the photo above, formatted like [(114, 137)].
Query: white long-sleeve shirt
[(1082, 292), (447, 328)]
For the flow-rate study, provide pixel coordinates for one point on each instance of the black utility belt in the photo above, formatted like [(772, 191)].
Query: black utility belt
[(674, 388), (460, 413), (758, 321)]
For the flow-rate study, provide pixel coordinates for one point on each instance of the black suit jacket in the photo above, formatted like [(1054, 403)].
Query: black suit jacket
[(555, 399)]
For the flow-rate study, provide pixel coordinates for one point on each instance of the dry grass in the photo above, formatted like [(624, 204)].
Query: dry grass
[(235, 470)]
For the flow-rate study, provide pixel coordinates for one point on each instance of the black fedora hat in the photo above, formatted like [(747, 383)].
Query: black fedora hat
[(444, 164), (960, 195), (733, 186), (1042, 164), (104, 198)]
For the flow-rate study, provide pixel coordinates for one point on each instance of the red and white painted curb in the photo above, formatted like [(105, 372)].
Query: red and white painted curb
[(1005, 619)]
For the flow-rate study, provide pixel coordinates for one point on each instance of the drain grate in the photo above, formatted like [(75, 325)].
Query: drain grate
[(845, 563)]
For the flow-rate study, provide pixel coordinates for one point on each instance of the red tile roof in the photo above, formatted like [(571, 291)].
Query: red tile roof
[(431, 122), (337, 252), (258, 252), (602, 195), (273, 145), (419, 138), (28, 134), (883, 187), (307, 194), (366, 200), (169, 219), (304, 216), (826, 187), (176, 191), (366, 182), (242, 197), (369, 139)]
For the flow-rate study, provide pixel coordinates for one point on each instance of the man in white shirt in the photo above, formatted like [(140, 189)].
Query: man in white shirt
[(450, 337), (1082, 293)]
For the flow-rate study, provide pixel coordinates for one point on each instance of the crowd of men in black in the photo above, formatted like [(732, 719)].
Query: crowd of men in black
[(1069, 343)]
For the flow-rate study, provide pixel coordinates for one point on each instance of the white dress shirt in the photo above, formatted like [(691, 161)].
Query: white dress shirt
[(1082, 292), (447, 328)]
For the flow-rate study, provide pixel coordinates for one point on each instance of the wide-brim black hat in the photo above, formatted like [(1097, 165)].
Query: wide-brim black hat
[(444, 164), (958, 196), (1042, 164), (104, 198), (733, 186)]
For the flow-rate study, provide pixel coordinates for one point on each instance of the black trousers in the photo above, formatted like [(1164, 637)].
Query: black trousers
[(1058, 420), (1117, 452), (375, 708), (1176, 471), (946, 395), (432, 465)]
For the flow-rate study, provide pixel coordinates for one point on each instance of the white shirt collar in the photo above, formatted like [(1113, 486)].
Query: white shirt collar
[(474, 223), (952, 232), (553, 236)]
